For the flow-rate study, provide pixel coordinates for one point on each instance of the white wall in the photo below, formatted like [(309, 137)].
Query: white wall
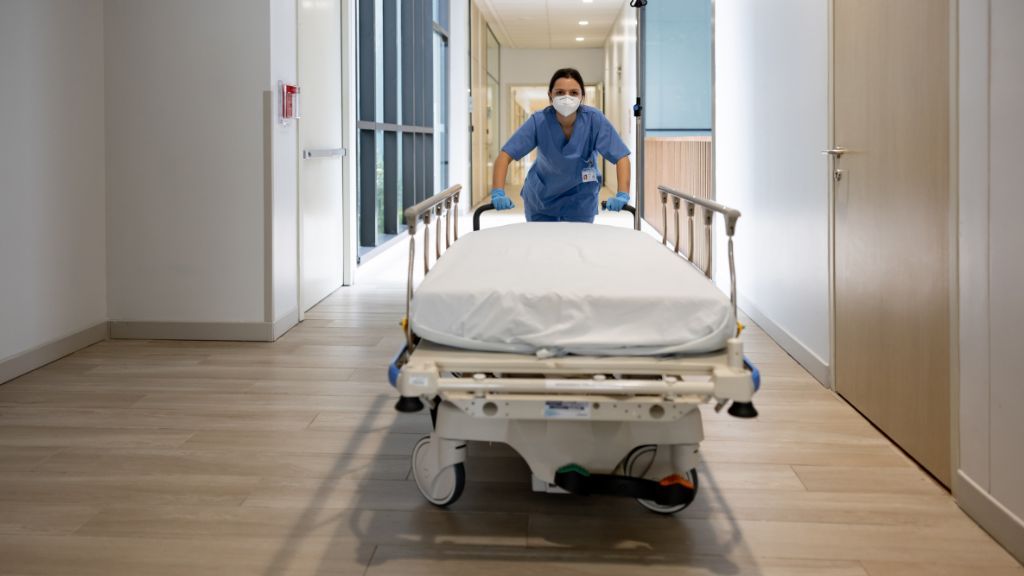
[(458, 117), (991, 470), (620, 81), (771, 98), (184, 85), (52, 218), (284, 205), (534, 67)]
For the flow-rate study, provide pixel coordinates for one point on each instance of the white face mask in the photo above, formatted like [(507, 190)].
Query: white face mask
[(566, 105)]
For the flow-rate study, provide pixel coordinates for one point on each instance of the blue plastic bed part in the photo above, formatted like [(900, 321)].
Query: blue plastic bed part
[(756, 373), (393, 367)]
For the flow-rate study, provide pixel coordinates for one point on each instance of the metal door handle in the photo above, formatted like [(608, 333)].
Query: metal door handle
[(838, 151), (324, 153)]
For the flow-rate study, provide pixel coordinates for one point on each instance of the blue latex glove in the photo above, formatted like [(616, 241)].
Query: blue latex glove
[(500, 201), (615, 204)]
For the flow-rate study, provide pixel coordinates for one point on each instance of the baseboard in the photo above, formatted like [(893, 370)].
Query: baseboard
[(25, 362), (230, 331), (285, 323), (992, 516), (801, 353)]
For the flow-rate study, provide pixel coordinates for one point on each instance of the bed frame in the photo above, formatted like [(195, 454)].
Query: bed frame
[(628, 426)]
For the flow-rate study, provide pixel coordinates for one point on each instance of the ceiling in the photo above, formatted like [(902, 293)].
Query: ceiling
[(551, 23)]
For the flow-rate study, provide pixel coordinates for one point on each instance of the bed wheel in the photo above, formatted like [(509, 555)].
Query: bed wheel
[(407, 404), (743, 410), (639, 462), (439, 488)]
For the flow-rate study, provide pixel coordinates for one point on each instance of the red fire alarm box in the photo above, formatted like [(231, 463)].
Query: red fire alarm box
[(289, 96)]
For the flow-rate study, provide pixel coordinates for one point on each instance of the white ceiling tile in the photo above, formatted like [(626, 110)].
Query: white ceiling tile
[(551, 23)]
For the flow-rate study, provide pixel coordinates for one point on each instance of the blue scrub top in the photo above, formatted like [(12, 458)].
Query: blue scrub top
[(554, 189)]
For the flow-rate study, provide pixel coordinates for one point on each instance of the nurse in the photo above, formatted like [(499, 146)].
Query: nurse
[(563, 184)]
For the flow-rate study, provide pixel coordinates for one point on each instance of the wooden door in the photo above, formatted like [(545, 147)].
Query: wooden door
[(892, 229)]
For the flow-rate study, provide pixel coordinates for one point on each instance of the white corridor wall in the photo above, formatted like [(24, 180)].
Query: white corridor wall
[(620, 82), (52, 185), (991, 121), (458, 99), (771, 124), (283, 221), (197, 179)]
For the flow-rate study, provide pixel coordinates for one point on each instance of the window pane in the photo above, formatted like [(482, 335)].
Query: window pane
[(366, 60), (390, 58), (378, 66), (442, 129), (391, 197), (491, 138), (440, 112), (400, 182), (367, 228), (398, 60), (379, 182), (679, 66), (493, 55), (438, 107)]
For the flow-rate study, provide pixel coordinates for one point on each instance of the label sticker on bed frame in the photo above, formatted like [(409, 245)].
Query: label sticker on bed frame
[(419, 381), (559, 409)]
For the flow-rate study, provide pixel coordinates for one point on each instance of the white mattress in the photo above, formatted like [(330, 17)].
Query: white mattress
[(569, 288)]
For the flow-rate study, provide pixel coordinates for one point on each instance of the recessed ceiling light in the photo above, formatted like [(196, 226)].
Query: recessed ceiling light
[(588, 1), (584, 22), (580, 38)]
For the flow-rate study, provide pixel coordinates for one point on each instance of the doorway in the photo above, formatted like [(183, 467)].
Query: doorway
[(524, 101), (321, 191), (892, 258)]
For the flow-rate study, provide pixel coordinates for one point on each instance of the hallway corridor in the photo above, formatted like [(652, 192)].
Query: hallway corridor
[(161, 458)]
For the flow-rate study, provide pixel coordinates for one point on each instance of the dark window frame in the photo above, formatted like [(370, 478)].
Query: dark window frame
[(406, 123)]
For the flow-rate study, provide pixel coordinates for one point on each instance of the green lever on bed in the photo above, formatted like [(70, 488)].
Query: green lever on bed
[(573, 468)]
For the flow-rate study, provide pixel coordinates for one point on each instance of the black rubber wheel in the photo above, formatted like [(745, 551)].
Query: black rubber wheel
[(638, 464), (453, 477)]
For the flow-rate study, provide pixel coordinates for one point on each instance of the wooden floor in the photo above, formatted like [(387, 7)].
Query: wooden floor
[(159, 458)]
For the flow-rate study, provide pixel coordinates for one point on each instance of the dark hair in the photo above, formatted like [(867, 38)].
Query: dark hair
[(567, 73)]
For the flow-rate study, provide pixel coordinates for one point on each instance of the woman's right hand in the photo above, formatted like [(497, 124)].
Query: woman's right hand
[(500, 201)]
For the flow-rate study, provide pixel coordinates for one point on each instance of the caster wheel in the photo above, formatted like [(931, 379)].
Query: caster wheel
[(441, 488), (639, 463)]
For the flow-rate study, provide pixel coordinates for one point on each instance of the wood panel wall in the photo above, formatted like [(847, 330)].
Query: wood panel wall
[(683, 163), (481, 176)]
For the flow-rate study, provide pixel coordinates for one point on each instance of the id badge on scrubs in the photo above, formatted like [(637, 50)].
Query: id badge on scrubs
[(590, 174)]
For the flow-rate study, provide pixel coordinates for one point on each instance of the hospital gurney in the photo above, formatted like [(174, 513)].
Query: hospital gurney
[(626, 425)]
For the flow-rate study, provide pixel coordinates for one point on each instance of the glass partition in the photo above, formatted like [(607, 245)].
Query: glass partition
[(402, 107)]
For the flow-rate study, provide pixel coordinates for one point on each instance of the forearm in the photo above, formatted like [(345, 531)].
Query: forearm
[(622, 174), (500, 170)]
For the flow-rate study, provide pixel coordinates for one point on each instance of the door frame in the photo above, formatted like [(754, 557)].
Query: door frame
[(954, 239), (347, 48), (954, 229), (348, 143), (348, 138)]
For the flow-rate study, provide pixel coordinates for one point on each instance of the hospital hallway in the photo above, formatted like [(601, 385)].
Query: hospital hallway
[(164, 457)]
